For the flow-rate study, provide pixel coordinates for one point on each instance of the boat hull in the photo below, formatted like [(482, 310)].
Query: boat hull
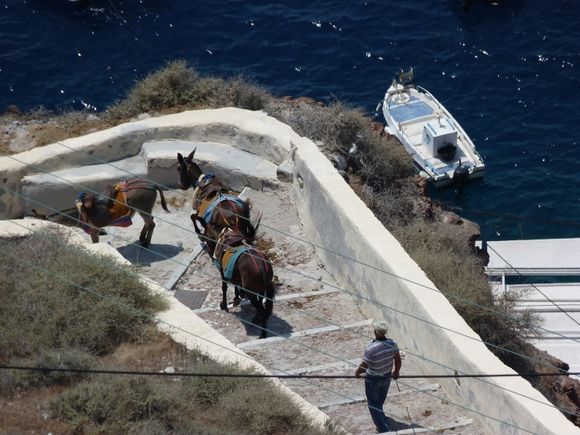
[(408, 111)]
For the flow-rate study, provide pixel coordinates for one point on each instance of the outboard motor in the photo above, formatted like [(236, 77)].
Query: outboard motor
[(460, 176)]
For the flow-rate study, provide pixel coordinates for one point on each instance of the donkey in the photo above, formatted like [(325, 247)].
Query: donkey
[(212, 203), (117, 205), (248, 269)]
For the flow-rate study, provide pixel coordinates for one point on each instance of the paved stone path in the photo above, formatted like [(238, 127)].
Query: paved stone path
[(318, 329)]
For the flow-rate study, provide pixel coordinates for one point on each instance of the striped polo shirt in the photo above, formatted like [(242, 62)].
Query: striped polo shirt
[(379, 356)]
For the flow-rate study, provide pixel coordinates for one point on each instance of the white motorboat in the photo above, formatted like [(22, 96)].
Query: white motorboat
[(438, 145)]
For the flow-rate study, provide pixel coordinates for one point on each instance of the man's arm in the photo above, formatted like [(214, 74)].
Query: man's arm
[(395, 374), (361, 369)]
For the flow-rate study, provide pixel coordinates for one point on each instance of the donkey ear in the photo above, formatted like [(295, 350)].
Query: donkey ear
[(190, 156), (179, 158)]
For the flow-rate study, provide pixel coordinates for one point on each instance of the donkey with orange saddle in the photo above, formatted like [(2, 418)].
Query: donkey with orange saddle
[(117, 205), (212, 203), (248, 269)]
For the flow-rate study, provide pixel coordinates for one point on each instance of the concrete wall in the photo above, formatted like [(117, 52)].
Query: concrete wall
[(248, 131), (337, 219), (179, 322)]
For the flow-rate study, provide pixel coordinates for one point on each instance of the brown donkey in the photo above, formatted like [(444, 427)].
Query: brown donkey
[(248, 269), (212, 203), (117, 205)]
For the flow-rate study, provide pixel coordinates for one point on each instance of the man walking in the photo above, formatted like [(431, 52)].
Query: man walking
[(378, 361)]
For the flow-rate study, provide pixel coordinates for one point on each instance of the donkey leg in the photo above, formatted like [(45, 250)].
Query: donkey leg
[(150, 232), (147, 231), (258, 319), (95, 237), (224, 302), (237, 299), (269, 304), (195, 219)]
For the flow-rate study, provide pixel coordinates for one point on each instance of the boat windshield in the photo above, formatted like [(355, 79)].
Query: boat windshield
[(414, 108)]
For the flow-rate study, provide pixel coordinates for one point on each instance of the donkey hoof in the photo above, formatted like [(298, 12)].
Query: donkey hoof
[(224, 306), (237, 302), (144, 243), (263, 335)]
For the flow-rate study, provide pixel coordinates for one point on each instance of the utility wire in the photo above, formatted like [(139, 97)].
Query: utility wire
[(353, 333), (489, 344), (101, 161), (351, 293), (254, 375), (449, 296), (151, 317)]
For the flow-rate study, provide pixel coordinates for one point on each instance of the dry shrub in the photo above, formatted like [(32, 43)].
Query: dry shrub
[(458, 273), (246, 94), (262, 409), (336, 126), (179, 86), (56, 296), (384, 162), (209, 390), (63, 359), (115, 404), (171, 86), (181, 405)]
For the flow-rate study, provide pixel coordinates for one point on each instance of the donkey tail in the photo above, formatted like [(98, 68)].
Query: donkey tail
[(163, 203), (269, 291)]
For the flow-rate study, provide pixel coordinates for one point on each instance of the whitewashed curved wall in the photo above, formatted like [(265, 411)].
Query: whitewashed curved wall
[(249, 131), (334, 217)]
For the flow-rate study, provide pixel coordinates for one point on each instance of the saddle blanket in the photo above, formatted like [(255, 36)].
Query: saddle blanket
[(207, 207), (229, 259), (120, 213)]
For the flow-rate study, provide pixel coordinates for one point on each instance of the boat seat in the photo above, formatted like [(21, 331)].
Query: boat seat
[(422, 120), (410, 111)]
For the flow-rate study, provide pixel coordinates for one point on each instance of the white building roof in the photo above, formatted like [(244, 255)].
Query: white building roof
[(534, 257)]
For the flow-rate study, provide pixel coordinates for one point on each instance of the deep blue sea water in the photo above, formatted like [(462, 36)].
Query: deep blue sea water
[(509, 74)]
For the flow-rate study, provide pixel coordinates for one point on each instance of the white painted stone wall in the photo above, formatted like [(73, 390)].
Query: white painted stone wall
[(421, 320), (179, 322), (249, 131)]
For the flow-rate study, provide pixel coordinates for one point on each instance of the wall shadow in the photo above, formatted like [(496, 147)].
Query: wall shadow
[(276, 324)]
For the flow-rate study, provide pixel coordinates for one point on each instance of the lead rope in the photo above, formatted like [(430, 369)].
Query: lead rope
[(406, 408)]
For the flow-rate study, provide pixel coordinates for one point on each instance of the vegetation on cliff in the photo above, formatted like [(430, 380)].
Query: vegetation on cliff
[(383, 176), (62, 307)]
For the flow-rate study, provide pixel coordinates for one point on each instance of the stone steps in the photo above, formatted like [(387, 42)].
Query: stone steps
[(288, 312), (307, 310)]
